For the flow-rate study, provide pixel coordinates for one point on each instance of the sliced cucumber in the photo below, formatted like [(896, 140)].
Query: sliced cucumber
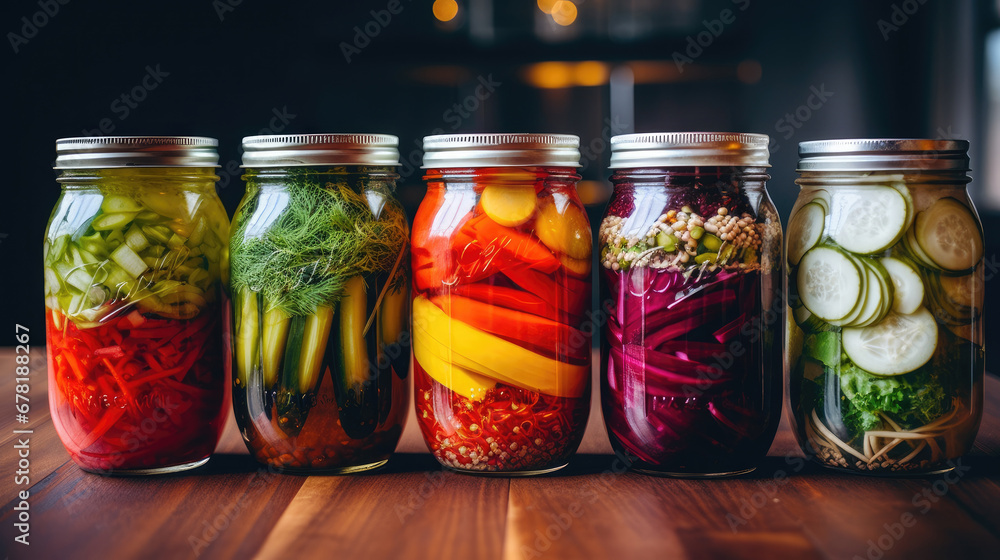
[(950, 236), (908, 199), (868, 220), (126, 258), (135, 239), (852, 318), (113, 203), (118, 220), (963, 291), (896, 345), (871, 312), (881, 291), (57, 249), (53, 284), (147, 217), (805, 229), (158, 234), (80, 280), (114, 239), (809, 322), (914, 250), (829, 283), (908, 289)]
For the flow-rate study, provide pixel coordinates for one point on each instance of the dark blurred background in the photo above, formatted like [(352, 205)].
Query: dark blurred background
[(228, 68)]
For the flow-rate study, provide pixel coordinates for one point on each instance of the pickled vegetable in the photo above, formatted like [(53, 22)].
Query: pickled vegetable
[(502, 368), (134, 332), (327, 268)]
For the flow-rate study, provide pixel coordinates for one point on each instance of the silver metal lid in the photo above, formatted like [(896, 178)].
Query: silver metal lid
[(688, 149), (300, 150), (501, 150), (105, 152), (884, 154)]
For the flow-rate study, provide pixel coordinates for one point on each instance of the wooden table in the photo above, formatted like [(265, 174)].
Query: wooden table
[(413, 509)]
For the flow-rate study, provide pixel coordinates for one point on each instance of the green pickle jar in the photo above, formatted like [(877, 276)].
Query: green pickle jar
[(885, 283), (320, 280), (135, 272)]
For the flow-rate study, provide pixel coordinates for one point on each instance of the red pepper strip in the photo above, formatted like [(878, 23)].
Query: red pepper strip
[(153, 364), (194, 327), (74, 364), (521, 328), (121, 384), (494, 247), (102, 427), (159, 332), (509, 298), (180, 369), (441, 213), (113, 352), (569, 294)]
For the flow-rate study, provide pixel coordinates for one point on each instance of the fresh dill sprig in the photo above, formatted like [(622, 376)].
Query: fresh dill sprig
[(299, 247)]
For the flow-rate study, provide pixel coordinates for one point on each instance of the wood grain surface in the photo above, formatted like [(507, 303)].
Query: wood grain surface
[(233, 508)]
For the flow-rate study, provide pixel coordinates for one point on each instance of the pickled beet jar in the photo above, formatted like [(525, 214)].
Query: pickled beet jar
[(135, 269), (886, 284), (320, 282), (501, 286), (690, 267)]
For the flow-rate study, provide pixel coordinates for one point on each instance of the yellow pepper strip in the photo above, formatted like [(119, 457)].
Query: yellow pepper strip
[(460, 380), (472, 349)]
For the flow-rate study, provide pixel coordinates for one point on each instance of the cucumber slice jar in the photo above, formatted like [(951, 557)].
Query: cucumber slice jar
[(885, 276), (135, 271), (320, 279), (690, 272)]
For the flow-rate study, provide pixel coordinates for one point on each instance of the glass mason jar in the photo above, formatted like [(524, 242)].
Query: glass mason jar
[(885, 281), (690, 261), (135, 269), (320, 273), (501, 279)]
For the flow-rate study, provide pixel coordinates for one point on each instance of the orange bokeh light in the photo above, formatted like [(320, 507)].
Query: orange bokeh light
[(445, 10)]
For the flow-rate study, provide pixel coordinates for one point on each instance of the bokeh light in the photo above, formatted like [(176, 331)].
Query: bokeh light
[(550, 75), (445, 10), (564, 12), (546, 5)]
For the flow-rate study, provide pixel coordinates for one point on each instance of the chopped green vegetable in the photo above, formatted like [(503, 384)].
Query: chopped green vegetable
[(129, 260), (914, 399)]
